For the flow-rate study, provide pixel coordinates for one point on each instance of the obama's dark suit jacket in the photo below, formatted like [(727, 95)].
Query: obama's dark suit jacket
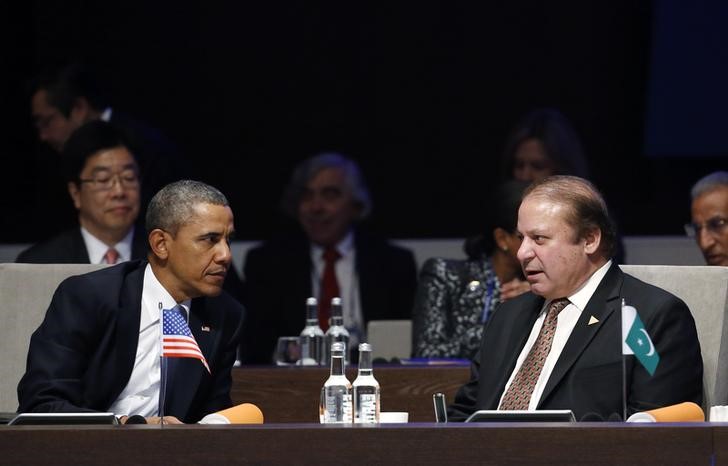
[(82, 355)]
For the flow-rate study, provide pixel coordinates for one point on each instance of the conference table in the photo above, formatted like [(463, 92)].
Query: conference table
[(288, 397), (291, 394)]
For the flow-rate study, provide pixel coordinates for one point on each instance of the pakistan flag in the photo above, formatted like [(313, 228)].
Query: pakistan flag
[(635, 340)]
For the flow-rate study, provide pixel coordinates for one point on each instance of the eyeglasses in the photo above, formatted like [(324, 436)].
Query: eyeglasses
[(714, 226), (105, 181)]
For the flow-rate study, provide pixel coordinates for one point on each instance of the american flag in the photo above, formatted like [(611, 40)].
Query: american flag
[(177, 340)]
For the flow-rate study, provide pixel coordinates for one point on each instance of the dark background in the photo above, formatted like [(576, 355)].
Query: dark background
[(422, 94)]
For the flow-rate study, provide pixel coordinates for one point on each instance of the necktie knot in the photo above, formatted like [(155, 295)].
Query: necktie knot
[(111, 256), (557, 305), (331, 255)]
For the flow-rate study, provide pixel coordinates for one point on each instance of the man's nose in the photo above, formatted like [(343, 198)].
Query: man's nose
[(224, 254), (705, 239), (525, 251)]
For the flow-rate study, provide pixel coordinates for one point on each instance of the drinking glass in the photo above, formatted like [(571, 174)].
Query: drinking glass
[(288, 351)]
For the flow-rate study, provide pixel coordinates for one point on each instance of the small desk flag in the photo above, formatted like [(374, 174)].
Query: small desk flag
[(177, 339), (635, 340)]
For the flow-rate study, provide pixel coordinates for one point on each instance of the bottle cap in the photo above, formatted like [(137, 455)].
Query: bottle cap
[(365, 347), (311, 301), (337, 346)]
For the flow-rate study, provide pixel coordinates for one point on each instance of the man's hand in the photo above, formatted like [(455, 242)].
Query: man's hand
[(167, 420), (154, 420), (514, 288)]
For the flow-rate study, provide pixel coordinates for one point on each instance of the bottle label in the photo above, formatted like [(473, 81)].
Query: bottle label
[(367, 408), (338, 412)]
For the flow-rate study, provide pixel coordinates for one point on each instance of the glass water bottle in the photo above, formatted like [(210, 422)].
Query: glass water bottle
[(312, 337), (337, 332), (336, 392), (366, 389)]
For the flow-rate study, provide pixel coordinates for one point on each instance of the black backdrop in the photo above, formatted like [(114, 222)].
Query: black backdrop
[(422, 94)]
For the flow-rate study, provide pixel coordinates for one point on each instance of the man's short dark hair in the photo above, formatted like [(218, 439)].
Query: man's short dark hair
[(174, 205), (65, 84), (86, 141), (586, 209)]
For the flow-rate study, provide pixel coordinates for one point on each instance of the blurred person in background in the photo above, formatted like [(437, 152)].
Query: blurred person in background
[(456, 297), (709, 217)]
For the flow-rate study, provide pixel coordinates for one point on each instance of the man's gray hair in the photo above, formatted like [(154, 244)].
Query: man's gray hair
[(708, 183), (310, 167), (174, 204)]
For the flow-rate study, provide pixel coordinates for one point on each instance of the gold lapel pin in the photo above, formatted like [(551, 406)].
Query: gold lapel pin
[(205, 328), (593, 320)]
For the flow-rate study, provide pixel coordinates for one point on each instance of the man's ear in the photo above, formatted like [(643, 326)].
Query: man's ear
[(592, 241), (81, 111), (159, 242), (75, 193)]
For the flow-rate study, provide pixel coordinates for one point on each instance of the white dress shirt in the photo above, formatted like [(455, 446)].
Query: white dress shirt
[(564, 325), (348, 281), (97, 248), (141, 394)]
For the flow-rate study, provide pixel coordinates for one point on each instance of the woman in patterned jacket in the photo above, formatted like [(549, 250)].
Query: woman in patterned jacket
[(455, 297)]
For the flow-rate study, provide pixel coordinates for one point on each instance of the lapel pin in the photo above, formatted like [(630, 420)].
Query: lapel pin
[(593, 320), (205, 328)]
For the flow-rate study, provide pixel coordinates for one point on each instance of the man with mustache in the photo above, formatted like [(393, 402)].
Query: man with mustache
[(709, 217), (98, 348), (103, 182), (559, 346)]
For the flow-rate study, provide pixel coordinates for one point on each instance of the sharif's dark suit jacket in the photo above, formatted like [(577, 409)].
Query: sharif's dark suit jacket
[(587, 377), (69, 248), (278, 281), (82, 355)]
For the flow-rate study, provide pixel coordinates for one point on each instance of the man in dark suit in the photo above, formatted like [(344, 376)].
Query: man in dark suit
[(98, 346), (63, 99), (102, 177), (540, 351), (375, 279)]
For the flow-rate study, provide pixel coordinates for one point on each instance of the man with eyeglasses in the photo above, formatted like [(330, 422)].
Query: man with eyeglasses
[(709, 212), (103, 182), (64, 98)]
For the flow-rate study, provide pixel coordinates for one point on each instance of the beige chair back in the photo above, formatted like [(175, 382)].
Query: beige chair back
[(705, 290), (25, 292)]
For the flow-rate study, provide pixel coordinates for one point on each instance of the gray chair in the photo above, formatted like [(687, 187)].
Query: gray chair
[(705, 290), (390, 338), (26, 291)]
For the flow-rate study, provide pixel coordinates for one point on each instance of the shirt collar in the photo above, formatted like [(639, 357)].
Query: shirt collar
[(97, 249), (155, 293), (580, 298), (106, 115), (345, 247)]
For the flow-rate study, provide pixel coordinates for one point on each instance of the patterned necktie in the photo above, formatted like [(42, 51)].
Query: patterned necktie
[(519, 393), (111, 256), (329, 286)]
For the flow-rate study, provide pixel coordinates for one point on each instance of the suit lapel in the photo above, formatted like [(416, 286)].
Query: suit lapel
[(602, 304), (191, 371), (366, 277), (127, 328), (521, 324), (78, 247)]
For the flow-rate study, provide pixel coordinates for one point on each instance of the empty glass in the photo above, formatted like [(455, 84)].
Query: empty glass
[(288, 351)]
